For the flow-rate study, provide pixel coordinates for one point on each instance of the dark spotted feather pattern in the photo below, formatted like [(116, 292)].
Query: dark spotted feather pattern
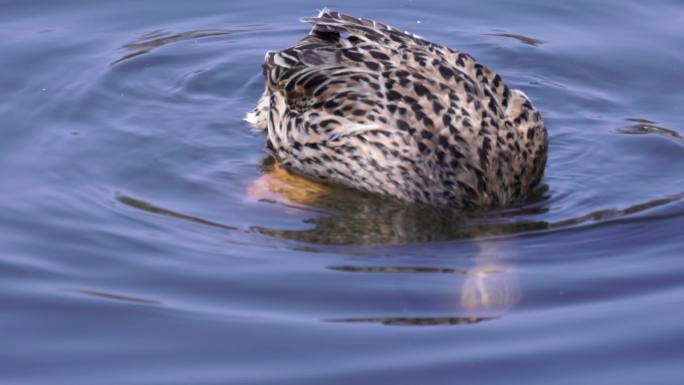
[(372, 107)]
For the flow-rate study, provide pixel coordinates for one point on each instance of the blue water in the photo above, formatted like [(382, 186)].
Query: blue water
[(133, 252)]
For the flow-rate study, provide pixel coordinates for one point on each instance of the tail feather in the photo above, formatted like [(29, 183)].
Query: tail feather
[(329, 21)]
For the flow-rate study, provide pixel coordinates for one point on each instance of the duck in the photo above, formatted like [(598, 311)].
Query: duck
[(365, 105)]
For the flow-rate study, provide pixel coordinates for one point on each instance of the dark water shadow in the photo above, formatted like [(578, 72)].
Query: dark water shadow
[(113, 297), (153, 209), (647, 127), (397, 269), (521, 38), (159, 38), (414, 321)]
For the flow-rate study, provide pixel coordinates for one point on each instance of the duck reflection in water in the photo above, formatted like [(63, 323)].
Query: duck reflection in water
[(352, 217), (491, 287), (488, 289)]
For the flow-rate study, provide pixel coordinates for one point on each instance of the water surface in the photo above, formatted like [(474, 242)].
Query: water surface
[(133, 249)]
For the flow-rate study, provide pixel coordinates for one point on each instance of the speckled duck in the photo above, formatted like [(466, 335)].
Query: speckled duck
[(372, 107)]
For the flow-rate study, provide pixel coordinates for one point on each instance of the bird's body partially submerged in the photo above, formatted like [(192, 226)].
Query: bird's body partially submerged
[(365, 105)]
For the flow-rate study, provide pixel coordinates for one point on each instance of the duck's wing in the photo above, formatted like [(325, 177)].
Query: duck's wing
[(327, 86), (401, 48), (328, 117), (328, 122)]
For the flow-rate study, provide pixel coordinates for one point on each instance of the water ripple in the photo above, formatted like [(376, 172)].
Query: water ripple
[(647, 127), (415, 321), (155, 39), (519, 37), (113, 296)]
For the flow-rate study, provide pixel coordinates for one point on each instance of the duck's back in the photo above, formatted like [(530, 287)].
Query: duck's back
[(371, 107)]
